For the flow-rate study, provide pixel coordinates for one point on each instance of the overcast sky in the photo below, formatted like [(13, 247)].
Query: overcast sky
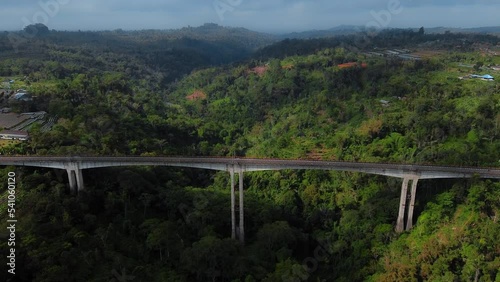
[(259, 15)]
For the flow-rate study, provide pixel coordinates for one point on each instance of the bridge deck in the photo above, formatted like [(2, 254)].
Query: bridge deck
[(251, 164)]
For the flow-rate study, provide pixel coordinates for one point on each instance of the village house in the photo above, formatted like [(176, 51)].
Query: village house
[(22, 96), (14, 135), (352, 64), (486, 77)]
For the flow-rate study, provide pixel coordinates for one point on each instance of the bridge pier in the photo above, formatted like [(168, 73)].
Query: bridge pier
[(233, 202), (402, 203), (72, 180), (240, 231), (242, 213), (409, 223), (75, 177)]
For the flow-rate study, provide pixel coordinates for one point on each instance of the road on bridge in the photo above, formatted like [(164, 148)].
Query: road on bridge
[(253, 164)]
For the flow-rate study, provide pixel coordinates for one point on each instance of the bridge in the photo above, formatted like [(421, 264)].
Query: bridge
[(408, 172)]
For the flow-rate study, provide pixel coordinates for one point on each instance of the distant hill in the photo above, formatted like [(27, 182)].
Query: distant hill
[(486, 30), (335, 31), (177, 52), (173, 52), (213, 32), (352, 29)]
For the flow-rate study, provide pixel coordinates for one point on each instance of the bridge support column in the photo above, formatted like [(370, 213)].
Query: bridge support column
[(240, 231), (72, 180), (402, 206), (79, 180), (75, 177), (242, 213), (409, 223), (400, 226), (233, 203)]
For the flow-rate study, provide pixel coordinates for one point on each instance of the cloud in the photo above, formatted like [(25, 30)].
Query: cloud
[(454, 16), (262, 15)]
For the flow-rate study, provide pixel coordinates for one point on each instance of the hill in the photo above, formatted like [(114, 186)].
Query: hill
[(485, 30), (332, 100), (374, 41), (335, 31), (174, 53), (352, 29)]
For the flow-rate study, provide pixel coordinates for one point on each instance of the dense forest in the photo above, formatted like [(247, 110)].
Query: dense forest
[(213, 91)]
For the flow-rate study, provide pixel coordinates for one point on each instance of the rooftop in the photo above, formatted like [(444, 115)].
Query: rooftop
[(352, 64), (197, 95), (486, 76), (14, 132), (11, 119)]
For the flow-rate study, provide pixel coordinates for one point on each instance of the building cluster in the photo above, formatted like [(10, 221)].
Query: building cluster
[(395, 53), (16, 125), (19, 95)]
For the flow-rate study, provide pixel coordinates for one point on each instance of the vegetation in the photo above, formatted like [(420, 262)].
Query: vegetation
[(163, 224)]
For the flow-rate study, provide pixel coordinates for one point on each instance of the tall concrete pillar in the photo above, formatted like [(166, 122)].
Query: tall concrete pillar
[(242, 214), (233, 203), (75, 176), (402, 206), (72, 180), (409, 223), (79, 180)]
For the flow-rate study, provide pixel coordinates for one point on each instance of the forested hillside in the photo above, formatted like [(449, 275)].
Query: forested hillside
[(307, 102), (306, 106), (173, 53)]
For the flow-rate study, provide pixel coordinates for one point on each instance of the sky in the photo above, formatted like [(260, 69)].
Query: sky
[(274, 16)]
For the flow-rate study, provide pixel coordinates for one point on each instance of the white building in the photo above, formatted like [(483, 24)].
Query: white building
[(14, 135)]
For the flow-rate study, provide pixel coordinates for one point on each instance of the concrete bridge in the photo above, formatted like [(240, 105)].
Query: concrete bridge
[(413, 173)]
